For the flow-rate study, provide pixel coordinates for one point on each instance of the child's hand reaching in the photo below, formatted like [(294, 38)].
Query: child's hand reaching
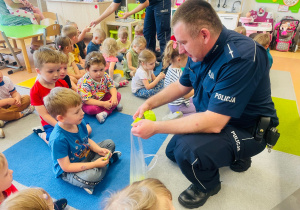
[(87, 29)]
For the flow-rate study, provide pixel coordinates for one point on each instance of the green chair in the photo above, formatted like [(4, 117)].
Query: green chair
[(138, 15)]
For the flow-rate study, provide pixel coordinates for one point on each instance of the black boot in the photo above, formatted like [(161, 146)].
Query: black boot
[(241, 165), (193, 197)]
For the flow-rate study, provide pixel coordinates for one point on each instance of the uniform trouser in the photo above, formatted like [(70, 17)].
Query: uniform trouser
[(158, 20), (9, 113), (200, 155), (91, 177)]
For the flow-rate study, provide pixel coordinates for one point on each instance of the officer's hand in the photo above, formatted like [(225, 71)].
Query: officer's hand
[(140, 112), (143, 128)]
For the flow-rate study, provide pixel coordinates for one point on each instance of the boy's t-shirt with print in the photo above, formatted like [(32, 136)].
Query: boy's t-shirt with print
[(6, 87), (74, 145), (137, 80), (38, 92)]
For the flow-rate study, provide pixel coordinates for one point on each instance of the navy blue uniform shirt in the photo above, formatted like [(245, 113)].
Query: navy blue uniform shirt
[(233, 80)]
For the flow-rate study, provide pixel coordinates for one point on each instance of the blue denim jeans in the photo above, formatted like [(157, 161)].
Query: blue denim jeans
[(91, 177), (144, 93), (157, 20)]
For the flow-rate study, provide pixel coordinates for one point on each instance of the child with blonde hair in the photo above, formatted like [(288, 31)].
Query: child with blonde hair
[(97, 90), (81, 45), (131, 62), (77, 159), (122, 41), (264, 40), (72, 32), (10, 198), (150, 194), (63, 73), (110, 51), (64, 45), (241, 30), (138, 30), (144, 83), (98, 37), (175, 61)]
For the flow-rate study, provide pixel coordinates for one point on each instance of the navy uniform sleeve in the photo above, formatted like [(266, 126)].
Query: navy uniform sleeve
[(231, 94), (185, 77)]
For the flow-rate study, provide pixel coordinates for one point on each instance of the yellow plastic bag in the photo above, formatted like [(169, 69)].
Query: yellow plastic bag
[(138, 166)]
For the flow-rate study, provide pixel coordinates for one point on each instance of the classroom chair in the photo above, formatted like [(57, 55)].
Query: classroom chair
[(138, 15), (52, 30), (52, 16), (7, 49)]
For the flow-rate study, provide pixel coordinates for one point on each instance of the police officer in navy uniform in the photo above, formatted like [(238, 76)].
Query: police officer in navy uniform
[(230, 76), (157, 20)]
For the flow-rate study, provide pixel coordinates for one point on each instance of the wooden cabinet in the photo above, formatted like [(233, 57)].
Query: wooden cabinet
[(82, 13)]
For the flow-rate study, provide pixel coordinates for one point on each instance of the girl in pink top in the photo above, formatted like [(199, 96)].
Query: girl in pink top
[(110, 51)]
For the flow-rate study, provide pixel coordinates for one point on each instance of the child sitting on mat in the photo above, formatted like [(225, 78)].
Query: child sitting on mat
[(64, 44), (97, 90), (13, 106), (7, 189), (144, 83), (98, 37), (77, 159), (149, 194), (131, 62), (47, 65), (63, 73), (122, 42), (110, 50), (175, 61), (72, 32)]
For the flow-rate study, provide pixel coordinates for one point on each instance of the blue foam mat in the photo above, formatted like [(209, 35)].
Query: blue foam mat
[(31, 162)]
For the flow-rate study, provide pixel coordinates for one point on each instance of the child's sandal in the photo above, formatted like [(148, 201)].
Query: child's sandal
[(123, 83)]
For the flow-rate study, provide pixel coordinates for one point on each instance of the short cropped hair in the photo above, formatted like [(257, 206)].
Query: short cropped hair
[(263, 39), (150, 194), (99, 33), (93, 58), (241, 30), (2, 161), (196, 14), (69, 31), (45, 55), (64, 59), (32, 198), (139, 28), (60, 99), (123, 32)]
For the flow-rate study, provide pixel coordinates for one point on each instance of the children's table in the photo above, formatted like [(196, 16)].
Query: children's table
[(21, 33), (128, 24)]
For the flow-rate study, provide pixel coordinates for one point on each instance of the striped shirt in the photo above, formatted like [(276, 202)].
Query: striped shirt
[(173, 75)]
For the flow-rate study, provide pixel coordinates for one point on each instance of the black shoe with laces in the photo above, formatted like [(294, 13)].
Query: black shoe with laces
[(193, 197), (241, 165)]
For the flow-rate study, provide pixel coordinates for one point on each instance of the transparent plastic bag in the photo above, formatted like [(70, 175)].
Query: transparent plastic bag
[(138, 166)]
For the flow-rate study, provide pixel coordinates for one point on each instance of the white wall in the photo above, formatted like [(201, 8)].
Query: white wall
[(270, 7)]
